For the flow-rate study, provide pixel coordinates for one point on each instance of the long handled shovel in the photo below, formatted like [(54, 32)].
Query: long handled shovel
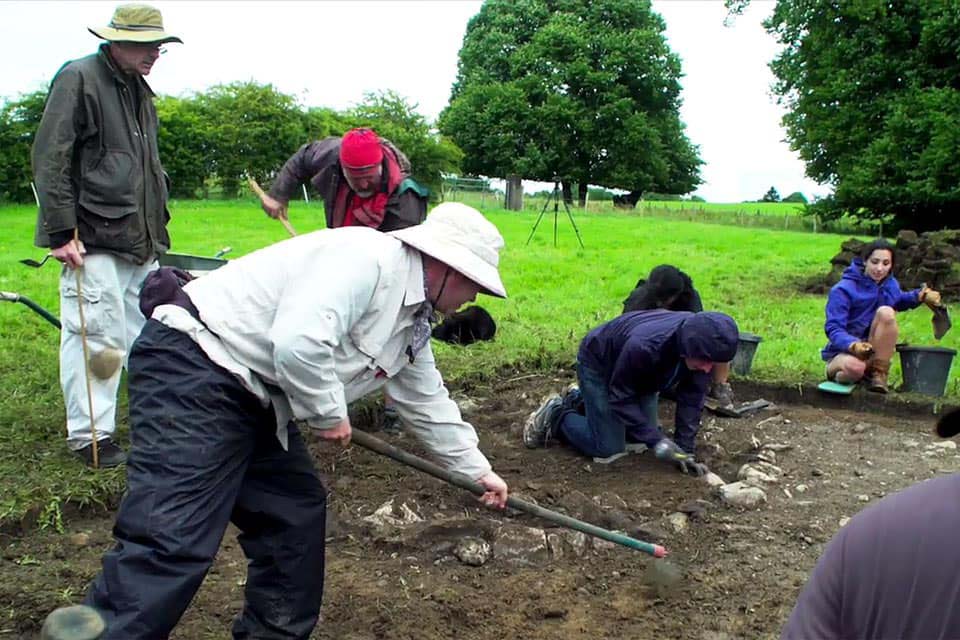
[(260, 194), (86, 357), (377, 445)]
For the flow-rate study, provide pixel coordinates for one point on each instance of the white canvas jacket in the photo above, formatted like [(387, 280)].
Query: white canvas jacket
[(308, 323)]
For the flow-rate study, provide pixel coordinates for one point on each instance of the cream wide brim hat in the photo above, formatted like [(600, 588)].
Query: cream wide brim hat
[(461, 238), (135, 23)]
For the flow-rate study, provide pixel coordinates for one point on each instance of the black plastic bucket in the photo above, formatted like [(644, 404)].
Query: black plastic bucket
[(746, 349), (925, 369)]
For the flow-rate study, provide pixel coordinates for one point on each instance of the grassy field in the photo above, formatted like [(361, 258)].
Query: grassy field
[(768, 215), (556, 296)]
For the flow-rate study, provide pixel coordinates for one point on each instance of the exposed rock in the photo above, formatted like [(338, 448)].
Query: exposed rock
[(578, 541), (844, 520), (910, 444), (609, 500), (473, 551), (863, 497), (677, 522), (467, 405), (860, 427), (520, 545), (801, 488), (578, 505), (650, 532), (754, 476), (617, 519), (394, 513), (555, 544), (79, 539), (713, 480), (740, 494), (696, 509)]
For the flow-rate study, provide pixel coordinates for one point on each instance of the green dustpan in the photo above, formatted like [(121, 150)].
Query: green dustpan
[(830, 386)]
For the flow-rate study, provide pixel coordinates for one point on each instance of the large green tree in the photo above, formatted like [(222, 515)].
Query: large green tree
[(873, 101), (583, 90), (185, 140), (253, 129), (19, 119)]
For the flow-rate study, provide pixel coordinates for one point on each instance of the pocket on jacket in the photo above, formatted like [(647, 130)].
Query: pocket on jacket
[(95, 313), (110, 187)]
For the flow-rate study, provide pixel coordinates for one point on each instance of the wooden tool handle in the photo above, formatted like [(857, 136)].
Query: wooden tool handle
[(261, 194)]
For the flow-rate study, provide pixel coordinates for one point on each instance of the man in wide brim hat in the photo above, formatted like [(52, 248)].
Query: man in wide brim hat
[(135, 23), (103, 211)]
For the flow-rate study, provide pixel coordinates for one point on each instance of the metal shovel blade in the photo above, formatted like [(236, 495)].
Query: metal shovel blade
[(941, 321), (30, 262)]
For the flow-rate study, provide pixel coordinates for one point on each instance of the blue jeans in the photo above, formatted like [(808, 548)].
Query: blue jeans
[(600, 433)]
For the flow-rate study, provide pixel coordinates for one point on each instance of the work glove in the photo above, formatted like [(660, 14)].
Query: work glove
[(861, 350), (930, 298), (668, 450)]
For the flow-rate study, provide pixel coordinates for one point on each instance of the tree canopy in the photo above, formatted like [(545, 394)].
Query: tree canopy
[(585, 91), (219, 136), (873, 101)]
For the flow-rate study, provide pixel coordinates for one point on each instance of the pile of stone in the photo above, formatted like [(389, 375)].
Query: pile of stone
[(931, 258)]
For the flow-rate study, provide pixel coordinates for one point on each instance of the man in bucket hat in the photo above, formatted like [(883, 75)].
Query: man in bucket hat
[(103, 198), (295, 331)]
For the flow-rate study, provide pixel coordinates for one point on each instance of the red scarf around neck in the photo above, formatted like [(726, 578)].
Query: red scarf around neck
[(351, 210)]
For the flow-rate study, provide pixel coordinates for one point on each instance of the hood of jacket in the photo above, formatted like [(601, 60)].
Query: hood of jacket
[(708, 336)]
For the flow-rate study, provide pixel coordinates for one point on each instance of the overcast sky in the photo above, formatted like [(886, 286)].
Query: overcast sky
[(330, 53)]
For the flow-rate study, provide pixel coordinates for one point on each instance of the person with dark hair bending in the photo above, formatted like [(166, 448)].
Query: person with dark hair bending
[(669, 288), (861, 313)]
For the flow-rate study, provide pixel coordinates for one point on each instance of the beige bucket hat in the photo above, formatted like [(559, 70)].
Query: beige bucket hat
[(461, 238), (135, 23)]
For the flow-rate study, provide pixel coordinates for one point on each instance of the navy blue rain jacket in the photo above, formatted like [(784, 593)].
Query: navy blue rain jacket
[(641, 353), (854, 301)]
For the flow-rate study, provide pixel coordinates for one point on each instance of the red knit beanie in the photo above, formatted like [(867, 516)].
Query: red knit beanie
[(360, 148)]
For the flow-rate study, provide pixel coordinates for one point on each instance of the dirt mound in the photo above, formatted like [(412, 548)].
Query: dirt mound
[(739, 570)]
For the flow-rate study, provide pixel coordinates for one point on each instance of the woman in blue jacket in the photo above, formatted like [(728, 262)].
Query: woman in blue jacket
[(862, 318)]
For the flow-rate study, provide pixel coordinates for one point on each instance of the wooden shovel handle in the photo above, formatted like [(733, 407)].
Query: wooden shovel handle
[(260, 194)]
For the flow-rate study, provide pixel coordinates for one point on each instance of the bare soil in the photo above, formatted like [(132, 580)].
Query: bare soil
[(741, 570)]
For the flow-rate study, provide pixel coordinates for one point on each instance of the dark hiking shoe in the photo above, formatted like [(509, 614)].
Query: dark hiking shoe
[(538, 428), (722, 393), (108, 454)]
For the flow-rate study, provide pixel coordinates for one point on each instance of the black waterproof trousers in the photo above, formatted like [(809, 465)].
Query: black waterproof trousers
[(204, 453)]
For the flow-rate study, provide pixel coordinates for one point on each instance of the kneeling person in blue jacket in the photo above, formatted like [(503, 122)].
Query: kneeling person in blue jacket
[(623, 366)]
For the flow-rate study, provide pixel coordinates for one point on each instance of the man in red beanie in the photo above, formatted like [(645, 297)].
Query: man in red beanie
[(364, 181)]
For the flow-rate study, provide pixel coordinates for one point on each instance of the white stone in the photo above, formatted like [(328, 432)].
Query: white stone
[(801, 488), (390, 514), (713, 480), (844, 520), (520, 545), (473, 551), (577, 540), (946, 445), (678, 522), (753, 476), (863, 497), (910, 444), (740, 494)]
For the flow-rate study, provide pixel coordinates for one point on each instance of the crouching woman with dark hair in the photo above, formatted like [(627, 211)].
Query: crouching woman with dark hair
[(861, 322)]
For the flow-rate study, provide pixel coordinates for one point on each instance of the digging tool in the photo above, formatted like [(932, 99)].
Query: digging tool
[(78, 622), (9, 296), (103, 364), (30, 262), (86, 357), (838, 388), (377, 445), (260, 194), (738, 411), (941, 321)]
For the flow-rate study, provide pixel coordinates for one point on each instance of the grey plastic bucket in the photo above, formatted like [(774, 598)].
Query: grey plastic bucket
[(746, 349), (925, 369)]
